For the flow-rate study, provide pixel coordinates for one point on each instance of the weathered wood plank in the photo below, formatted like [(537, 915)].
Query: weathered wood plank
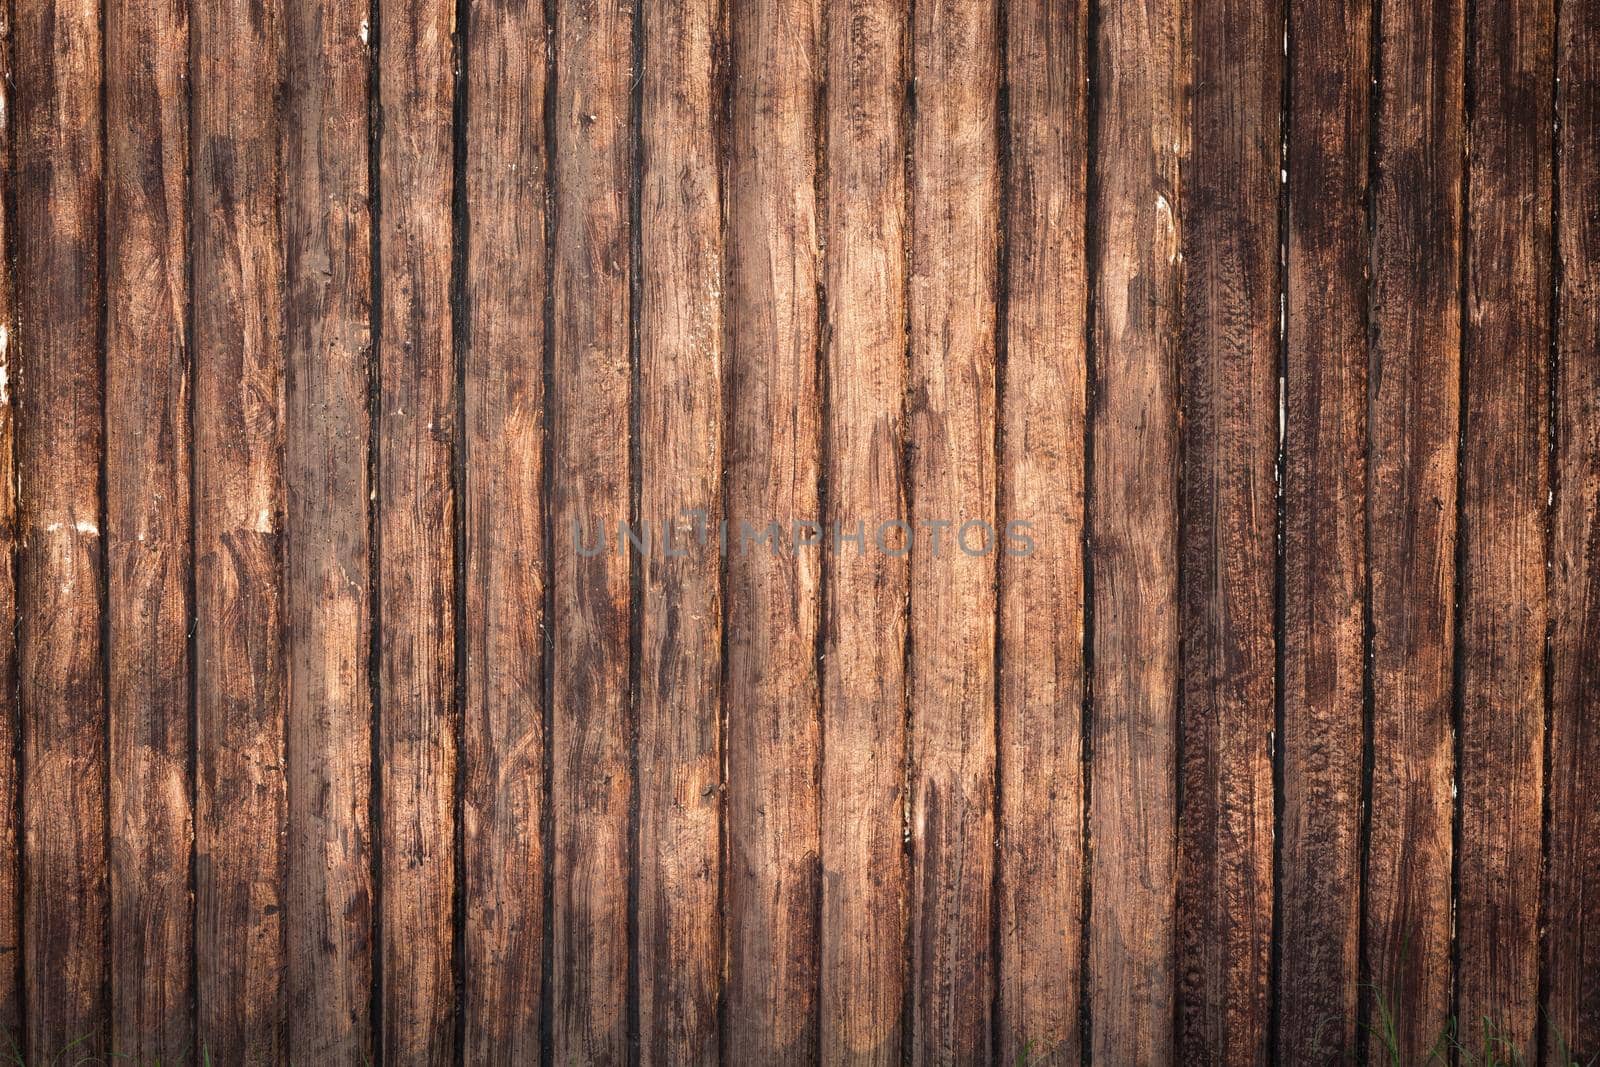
[(1133, 525), (1042, 478), (238, 367), (503, 750), (416, 430), (1229, 388), (1414, 389), (864, 888), (679, 946), (1324, 548), (148, 529), (591, 783), (773, 457), (955, 202), (328, 233), (61, 681), (1572, 922), (1505, 491), (11, 965)]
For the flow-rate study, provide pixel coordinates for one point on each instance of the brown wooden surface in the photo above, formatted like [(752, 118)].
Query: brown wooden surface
[(151, 829), (1042, 472), (773, 446), (11, 969), (1571, 939), (1414, 405), (502, 354), (1324, 532), (236, 229), (864, 888), (327, 547)]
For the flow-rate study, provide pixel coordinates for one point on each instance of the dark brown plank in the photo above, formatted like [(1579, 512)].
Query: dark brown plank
[(1572, 922), (240, 685), (955, 201), (1133, 528), (11, 982), (61, 682), (1324, 548), (1414, 390), (679, 946), (416, 517), (1043, 412), (328, 229), (591, 783), (502, 754), (1229, 385), (864, 889), (773, 599), (148, 528), (1505, 491)]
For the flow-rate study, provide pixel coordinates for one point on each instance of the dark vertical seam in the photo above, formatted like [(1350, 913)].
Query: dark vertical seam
[(461, 338), (823, 381), (103, 564), (1176, 376), (191, 584), (375, 821), (635, 559), (721, 95), (908, 803), (1002, 353), (1276, 752), (1093, 238), (546, 493)]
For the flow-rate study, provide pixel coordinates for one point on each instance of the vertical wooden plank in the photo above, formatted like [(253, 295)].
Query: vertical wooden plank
[(864, 889), (1414, 403), (591, 781), (416, 528), (1042, 481), (679, 948), (11, 1022), (955, 198), (502, 756), (1229, 389), (1572, 923), (1505, 492), (148, 528), (1324, 548), (239, 302), (61, 685), (773, 465), (328, 230), (1133, 529)]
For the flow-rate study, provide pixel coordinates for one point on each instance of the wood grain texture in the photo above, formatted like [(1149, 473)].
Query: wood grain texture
[(1324, 531), (678, 951), (1133, 530), (148, 529), (11, 962), (773, 605), (592, 731), (61, 682), (864, 888), (502, 753), (416, 430), (1414, 404), (955, 207), (240, 684), (327, 547), (1572, 878), (1229, 385), (1042, 479), (1505, 490)]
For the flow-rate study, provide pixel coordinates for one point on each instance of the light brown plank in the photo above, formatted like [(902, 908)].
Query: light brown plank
[(1324, 551), (61, 682), (1414, 386), (416, 430), (591, 782), (773, 467), (240, 685), (1572, 921), (328, 233), (502, 755), (1043, 412), (11, 980), (1133, 527), (148, 529), (955, 198), (864, 888), (1505, 491), (679, 946)]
